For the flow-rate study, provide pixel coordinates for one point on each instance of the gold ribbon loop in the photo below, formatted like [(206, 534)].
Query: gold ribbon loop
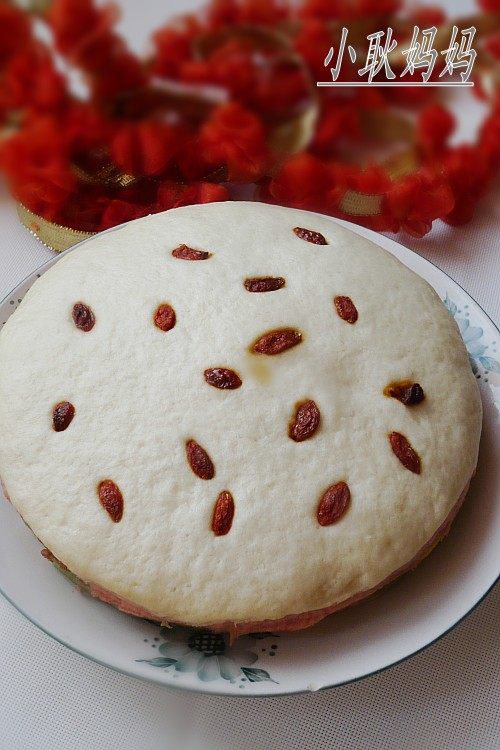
[(53, 236)]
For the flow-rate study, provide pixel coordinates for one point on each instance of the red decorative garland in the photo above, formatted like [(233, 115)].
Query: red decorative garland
[(228, 99)]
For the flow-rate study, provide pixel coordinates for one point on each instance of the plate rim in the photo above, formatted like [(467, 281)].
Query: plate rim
[(375, 237)]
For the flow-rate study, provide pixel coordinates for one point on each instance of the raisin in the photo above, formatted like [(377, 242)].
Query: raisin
[(223, 378), (264, 284), (189, 253), (164, 317), (346, 309), (199, 460), (305, 422), (404, 451), (333, 504), (277, 341), (405, 391), (83, 317), (111, 499), (223, 514), (310, 236), (62, 415)]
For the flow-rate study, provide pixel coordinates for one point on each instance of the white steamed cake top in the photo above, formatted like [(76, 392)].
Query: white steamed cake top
[(140, 395)]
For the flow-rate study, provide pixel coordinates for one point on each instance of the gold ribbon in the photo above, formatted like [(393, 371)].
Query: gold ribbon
[(402, 163), (31, 6), (387, 125), (108, 175), (54, 236), (360, 204)]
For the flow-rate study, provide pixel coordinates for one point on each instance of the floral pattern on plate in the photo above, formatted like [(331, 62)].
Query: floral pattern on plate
[(473, 337), (187, 650), (483, 353)]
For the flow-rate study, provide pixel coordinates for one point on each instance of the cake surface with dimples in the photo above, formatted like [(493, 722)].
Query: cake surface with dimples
[(235, 415)]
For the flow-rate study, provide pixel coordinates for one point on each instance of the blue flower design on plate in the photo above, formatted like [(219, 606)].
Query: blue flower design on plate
[(208, 655), (472, 337)]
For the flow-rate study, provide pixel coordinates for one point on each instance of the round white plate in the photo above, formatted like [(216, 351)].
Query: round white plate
[(398, 622)]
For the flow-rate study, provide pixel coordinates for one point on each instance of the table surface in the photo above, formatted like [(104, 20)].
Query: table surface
[(445, 698)]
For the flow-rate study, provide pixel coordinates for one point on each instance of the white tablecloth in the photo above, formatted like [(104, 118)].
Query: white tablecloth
[(445, 698)]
